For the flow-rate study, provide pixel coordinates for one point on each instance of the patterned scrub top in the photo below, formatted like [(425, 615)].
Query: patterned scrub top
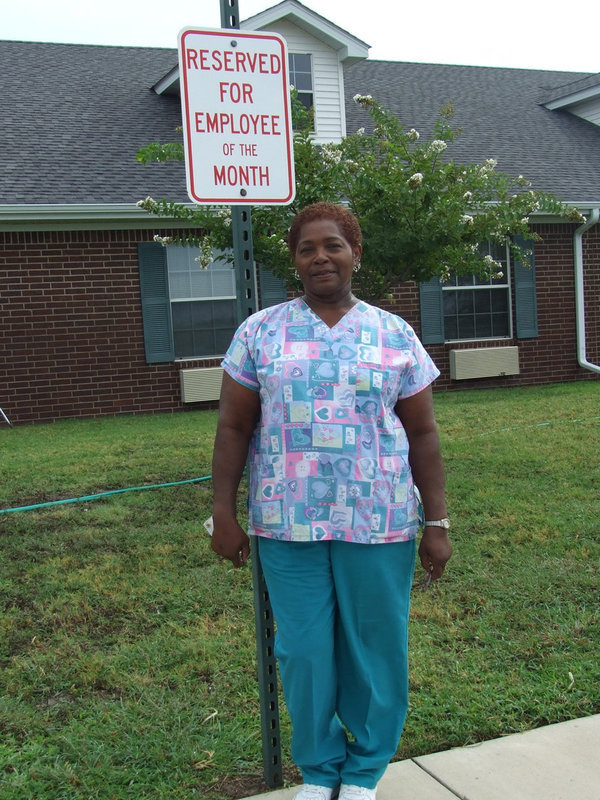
[(329, 456)]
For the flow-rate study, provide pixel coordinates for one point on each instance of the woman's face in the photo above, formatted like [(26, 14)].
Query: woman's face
[(325, 259)]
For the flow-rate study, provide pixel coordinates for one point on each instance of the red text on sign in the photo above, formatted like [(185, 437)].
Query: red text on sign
[(233, 61), (223, 122), (235, 92), (240, 176)]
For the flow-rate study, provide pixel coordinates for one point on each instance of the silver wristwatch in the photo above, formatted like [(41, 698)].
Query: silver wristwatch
[(438, 523)]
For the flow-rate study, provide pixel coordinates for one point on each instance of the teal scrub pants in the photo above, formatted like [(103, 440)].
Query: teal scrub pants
[(341, 611)]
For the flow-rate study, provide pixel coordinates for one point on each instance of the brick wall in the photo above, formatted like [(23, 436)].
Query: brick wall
[(552, 356), (72, 342), (72, 345)]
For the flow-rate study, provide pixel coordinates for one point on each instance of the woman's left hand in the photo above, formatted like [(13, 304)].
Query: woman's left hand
[(435, 550)]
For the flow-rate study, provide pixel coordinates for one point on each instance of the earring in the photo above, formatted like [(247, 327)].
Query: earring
[(356, 266)]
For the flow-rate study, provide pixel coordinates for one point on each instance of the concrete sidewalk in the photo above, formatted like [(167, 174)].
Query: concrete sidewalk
[(558, 762)]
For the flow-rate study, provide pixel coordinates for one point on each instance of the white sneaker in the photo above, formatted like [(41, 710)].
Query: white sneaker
[(350, 792), (311, 791)]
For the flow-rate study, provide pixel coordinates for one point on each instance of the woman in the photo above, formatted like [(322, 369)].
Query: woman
[(331, 398)]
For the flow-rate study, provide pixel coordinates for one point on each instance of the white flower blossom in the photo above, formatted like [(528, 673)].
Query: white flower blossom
[(490, 263), (149, 204), (438, 146), (360, 132), (489, 165), (205, 258), (225, 214), (466, 219), (415, 180), (331, 154), (413, 135), (467, 195), (576, 216), (164, 240), (364, 100), (493, 267)]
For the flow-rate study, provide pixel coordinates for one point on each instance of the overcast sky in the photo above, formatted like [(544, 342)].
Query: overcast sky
[(533, 34)]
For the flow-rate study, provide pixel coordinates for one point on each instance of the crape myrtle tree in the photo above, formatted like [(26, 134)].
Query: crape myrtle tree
[(421, 213)]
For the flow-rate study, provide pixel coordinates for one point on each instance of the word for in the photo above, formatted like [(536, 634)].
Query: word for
[(235, 92), (233, 61)]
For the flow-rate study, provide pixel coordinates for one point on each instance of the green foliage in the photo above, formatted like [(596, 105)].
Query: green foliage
[(156, 152), (422, 214)]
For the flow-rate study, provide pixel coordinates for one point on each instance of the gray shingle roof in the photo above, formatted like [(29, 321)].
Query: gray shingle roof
[(500, 114), (73, 117), (573, 87)]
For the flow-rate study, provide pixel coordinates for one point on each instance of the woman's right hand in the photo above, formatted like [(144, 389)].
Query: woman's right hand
[(231, 541)]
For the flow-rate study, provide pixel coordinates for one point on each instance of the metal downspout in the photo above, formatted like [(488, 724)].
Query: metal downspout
[(579, 293)]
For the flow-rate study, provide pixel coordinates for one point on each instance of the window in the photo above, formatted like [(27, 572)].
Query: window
[(188, 312), (466, 308), (301, 77), (203, 304), (476, 308)]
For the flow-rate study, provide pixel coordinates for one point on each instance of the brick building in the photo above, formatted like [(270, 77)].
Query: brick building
[(97, 320)]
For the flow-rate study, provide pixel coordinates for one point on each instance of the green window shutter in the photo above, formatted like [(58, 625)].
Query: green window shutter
[(525, 293), (272, 288), (432, 311), (156, 306)]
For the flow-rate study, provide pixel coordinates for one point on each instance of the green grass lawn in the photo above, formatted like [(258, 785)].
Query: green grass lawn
[(127, 662)]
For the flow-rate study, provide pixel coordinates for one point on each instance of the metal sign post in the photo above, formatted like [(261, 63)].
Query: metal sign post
[(263, 615)]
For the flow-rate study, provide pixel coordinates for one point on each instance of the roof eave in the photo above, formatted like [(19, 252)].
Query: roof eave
[(573, 98), (169, 84), (121, 216), (80, 216)]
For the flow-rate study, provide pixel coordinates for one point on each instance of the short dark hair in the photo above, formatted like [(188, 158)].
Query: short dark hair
[(343, 217)]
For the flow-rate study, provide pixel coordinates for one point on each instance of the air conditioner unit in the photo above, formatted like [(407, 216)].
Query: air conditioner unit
[(484, 362), (198, 385)]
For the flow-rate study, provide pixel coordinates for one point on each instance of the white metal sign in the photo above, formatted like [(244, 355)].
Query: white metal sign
[(237, 119)]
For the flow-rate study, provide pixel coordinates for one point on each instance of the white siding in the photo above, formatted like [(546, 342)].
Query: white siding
[(589, 110), (330, 123)]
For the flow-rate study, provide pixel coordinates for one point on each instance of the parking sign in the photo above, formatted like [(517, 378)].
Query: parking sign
[(237, 121)]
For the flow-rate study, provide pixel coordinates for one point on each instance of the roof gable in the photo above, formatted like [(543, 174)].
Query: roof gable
[(581, 98), (349, 47)]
